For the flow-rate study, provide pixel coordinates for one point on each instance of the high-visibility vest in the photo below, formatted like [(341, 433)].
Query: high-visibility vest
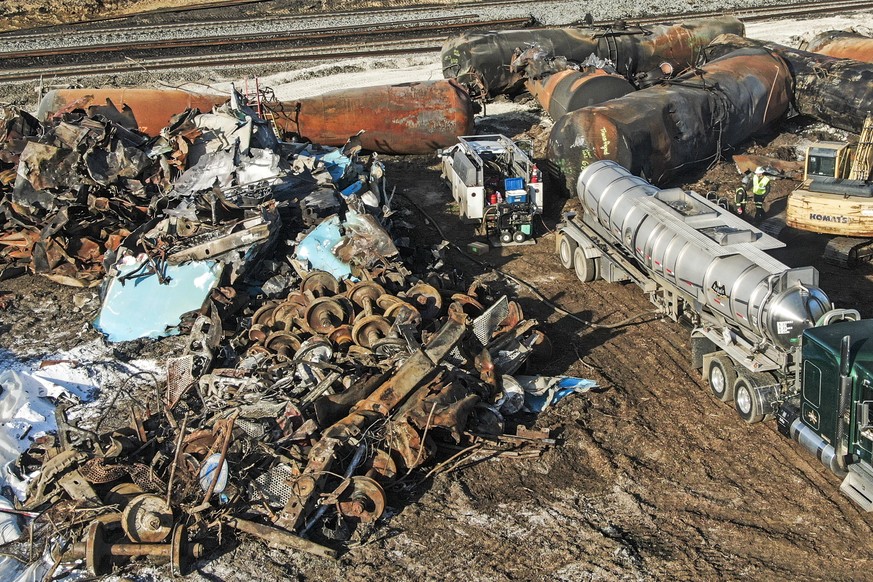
[(759, 185)]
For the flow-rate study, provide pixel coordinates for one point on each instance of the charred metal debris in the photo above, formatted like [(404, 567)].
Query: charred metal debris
[(329, 366)]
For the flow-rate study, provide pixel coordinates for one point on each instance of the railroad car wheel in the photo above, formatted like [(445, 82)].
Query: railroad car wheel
[(747, 401), (565, 252), (721, 376), (585, 268)]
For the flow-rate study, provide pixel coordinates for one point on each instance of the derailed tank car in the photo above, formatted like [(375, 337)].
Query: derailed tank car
[(408, 118), (835, 91), (675, 126), (481, 61), (843, 45), (766, 337)]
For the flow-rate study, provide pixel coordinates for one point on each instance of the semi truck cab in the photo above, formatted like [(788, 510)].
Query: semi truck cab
[(834, 419)]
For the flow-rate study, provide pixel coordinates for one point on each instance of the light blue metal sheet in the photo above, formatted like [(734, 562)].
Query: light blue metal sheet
[(142, 307), (317, 248)]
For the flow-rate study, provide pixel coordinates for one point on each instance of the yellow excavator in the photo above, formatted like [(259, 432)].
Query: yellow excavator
[(836, 197)]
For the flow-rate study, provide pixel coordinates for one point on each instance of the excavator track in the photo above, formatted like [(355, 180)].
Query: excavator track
[(848, 252)]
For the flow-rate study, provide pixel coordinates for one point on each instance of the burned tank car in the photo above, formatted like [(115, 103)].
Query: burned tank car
[(672, 127), (481, 61), (835, 91)]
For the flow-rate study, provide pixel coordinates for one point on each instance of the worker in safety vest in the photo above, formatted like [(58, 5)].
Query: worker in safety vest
[(760, 185)]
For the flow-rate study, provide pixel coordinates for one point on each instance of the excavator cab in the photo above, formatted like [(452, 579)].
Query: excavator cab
[(836, 198), (828, 159)]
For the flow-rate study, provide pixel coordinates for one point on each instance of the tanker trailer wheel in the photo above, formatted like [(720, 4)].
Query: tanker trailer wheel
[(747, 400), (721, 376), (565, 252), (586, 270)]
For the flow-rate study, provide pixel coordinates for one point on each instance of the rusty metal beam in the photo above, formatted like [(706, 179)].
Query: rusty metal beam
[(279, 538)]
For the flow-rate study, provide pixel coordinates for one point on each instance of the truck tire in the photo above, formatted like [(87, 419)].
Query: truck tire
[(586, 270), (721, 377), (565, 252), (747, 399)]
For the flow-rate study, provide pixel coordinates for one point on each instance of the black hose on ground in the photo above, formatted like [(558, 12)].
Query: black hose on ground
[(524, 283)]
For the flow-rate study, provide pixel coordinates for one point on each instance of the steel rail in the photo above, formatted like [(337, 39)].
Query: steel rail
[(401, 27), (315, 53), (374, 47), (418, 9)]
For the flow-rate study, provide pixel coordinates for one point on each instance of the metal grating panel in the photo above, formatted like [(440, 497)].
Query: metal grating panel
[(273, 485), (485, 324)]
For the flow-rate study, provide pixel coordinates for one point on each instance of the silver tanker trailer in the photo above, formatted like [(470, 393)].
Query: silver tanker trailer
[(765, 336)]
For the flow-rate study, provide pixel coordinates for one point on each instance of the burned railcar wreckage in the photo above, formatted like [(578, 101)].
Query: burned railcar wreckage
[(835, 91), (296, 353), (686, 121), (481, 61), (409, 118), (842, 44), (326, 359)]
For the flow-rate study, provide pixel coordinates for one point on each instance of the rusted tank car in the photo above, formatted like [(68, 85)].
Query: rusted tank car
[(561, 86), (410, 118), (570, 90), (481, 61), (659, 131), (151, 108), (842, 44), (838, 92)]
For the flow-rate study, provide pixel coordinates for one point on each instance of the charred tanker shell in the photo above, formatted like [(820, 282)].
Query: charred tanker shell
[(151, 108), (571, 90), (672, 127), (411, 118), (843, 44), (838, 92), (561, 86), (482, 60)]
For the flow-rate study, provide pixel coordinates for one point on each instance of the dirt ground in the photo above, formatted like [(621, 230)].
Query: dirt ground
[(654, 479)]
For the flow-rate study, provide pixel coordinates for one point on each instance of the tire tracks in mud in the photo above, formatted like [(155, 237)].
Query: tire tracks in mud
[(744, 500)]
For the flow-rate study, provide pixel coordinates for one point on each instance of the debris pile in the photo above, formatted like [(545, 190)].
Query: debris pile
[(327, 357)]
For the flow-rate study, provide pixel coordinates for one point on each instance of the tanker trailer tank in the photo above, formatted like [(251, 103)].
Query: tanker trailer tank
[(481, 61), (710, 258), (764, 336), (674, 126)]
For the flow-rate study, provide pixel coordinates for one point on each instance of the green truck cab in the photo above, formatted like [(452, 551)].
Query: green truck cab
[(833, 414)]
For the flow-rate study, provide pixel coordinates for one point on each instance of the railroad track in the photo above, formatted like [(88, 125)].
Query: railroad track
[(407, 33), (767, 12)]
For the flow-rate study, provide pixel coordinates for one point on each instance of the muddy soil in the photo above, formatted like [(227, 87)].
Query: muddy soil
[(654, 478)]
